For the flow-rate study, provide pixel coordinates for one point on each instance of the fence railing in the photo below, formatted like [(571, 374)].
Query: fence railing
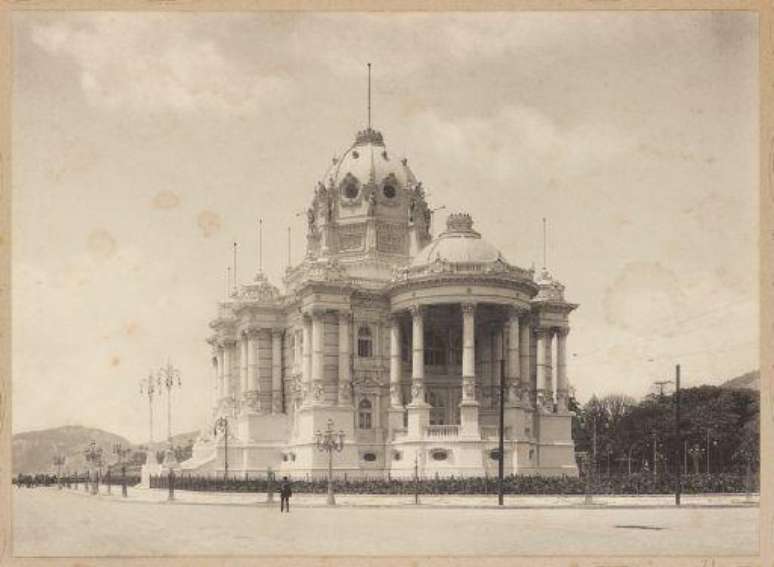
[(442, 431)]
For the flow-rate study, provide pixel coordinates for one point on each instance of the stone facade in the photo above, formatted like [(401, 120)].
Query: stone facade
[(399, 338)]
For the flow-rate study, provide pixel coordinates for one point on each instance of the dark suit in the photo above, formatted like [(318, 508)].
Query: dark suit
[(285, 494)]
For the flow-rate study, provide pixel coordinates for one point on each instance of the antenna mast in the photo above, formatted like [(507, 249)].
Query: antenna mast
[(228, 282), (235, 267), (289, 260), (260, 245), (369, 96), (544, 242)]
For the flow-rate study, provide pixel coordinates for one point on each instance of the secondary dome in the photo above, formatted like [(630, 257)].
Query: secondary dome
[(459, 243), (368, 161)]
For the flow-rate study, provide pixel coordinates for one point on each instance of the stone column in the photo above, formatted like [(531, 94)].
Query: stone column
[(395, 363), (306, 369), (562, 387), (524, 357), (221, 373), (297, 354), (318, 357), (469, 405), (418, 409), (395, 410), (417, 356), (276, 371), (540, 335), (549, 373), (228, 357), (468, 352), (253, 369), (514, 370), (243, 386), (545, 389), (345, 359)]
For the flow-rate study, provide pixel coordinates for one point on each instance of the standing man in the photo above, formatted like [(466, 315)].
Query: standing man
[(285, 494)]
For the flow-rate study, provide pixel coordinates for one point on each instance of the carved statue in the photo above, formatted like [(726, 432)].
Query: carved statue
[(371, 203), (310, 220)]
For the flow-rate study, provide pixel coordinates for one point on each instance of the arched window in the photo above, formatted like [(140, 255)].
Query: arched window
[(364, 414), (365, 343)]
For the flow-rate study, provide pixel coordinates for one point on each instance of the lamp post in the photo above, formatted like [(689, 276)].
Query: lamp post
[(416, 477), (330, 441), (59, 461), (93, 456), (587, 465), (169, 377), (695, 453), (122, 452), (221, 425), (148, 388)]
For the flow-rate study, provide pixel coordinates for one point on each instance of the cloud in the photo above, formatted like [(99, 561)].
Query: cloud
[(124, 63)]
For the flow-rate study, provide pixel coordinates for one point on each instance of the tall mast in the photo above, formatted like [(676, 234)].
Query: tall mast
[(369, 96)]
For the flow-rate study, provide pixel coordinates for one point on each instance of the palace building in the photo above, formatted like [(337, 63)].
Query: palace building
[(397, 336)]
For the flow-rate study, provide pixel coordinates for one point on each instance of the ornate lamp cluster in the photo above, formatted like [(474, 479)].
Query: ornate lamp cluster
[(330, 441), (93, 456)]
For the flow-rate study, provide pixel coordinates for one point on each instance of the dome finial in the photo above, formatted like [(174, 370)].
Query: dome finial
[(459, 222)]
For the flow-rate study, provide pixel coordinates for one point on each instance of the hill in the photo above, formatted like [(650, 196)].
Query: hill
[(34, 451), (750, 381)]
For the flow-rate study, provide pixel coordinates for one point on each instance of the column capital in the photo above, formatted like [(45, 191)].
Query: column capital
[(515, 312), (344, 314), (562, 331), (275, 332), (468, 308), (417, 310)]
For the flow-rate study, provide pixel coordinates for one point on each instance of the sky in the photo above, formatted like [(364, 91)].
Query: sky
[(144, 144)]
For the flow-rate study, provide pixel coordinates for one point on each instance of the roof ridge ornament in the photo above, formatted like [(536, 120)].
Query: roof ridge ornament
[(369, 136), (460, 223)]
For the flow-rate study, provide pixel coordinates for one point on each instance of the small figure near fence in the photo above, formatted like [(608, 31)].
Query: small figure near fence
[(285, 493)]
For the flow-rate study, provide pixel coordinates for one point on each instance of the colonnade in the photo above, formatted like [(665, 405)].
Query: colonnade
[(251, 383), (313, 357), (517, 334)]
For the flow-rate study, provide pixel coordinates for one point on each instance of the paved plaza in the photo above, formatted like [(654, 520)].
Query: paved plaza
[(49, 522)]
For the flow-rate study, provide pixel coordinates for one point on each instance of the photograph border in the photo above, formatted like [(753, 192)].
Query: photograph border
[(765, 11)]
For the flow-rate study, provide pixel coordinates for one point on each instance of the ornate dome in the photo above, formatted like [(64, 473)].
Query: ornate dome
[(459, 243), (367, 161)]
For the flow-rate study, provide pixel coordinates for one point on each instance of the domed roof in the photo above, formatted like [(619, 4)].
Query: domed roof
[(369, 162), (459, 243)]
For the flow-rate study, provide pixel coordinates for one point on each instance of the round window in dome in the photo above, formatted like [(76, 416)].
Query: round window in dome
[(355, 154), (350, 191), (389, 191)]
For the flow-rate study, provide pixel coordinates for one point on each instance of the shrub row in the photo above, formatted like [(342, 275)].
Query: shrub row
[(639, 483)]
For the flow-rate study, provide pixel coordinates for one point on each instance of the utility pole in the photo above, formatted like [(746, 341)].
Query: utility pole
[(708, 451), (416, 477), (661, 384), (678, 476), (594, 444), (501, 447)]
